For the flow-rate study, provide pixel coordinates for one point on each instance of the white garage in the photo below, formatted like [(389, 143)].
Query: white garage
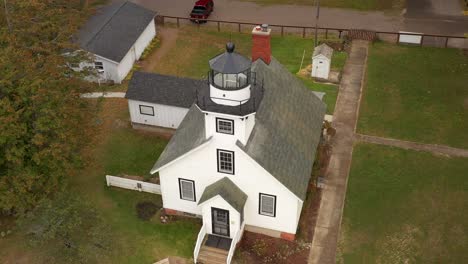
[(160, 100), (321, 61), (115, 37)]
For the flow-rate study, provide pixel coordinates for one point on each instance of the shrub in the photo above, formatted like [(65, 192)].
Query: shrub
[(146, 210)]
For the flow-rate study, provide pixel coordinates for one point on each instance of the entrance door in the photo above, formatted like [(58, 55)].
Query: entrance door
[(220, 221)]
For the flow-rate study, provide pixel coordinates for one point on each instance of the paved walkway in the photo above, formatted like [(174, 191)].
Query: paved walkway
[(103, 94), (435, 149), (324, 244)]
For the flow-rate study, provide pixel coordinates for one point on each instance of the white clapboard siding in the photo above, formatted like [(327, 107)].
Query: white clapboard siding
[(133, 184)]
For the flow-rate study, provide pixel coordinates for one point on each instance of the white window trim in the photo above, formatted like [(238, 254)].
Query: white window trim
[(181, 193), (147, 106), (260, 205), (218, 158), (231, 132)]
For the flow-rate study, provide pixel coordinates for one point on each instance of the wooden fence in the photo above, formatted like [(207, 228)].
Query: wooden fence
[(133, 184), (304, 31)]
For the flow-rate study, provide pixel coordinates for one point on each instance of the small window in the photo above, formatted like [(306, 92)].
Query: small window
[(225, 161), (267, 205), (98, 65), (225, 126), (187, 190), (146, 110)]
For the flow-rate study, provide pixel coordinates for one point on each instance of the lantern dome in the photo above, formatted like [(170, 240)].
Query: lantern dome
[(230, 70)]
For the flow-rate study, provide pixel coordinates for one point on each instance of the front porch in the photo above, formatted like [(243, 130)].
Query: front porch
[(222, 206), (214, 250)]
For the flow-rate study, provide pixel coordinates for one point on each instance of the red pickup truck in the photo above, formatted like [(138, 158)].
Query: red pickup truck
[(201, 10)]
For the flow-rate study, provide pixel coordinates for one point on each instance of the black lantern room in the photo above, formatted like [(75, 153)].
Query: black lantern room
[(230, 70)]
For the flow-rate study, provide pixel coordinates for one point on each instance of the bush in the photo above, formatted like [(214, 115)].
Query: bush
[(146, 210)]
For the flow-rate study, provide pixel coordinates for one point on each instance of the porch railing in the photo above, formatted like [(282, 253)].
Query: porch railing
[(234, 242), (201, 236)]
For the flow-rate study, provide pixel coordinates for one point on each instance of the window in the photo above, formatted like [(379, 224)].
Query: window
[(146, 110), (98, 65), (225, 161), (225, 126), (267, 205), (187, 189)]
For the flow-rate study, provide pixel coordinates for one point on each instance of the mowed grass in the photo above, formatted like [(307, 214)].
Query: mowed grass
[(404, 207), (119, 149), (417, 94), (194, 48), (364, 5)]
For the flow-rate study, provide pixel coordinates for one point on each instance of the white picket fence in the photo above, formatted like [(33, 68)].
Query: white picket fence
[(133, 184)]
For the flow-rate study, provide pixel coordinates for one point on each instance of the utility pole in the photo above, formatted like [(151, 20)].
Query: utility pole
[(317, 7), (7, 16)]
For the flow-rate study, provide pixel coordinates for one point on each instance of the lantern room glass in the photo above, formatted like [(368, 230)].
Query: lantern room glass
[(230, 81)]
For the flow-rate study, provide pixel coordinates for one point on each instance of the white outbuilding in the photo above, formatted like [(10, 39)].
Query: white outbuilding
[(321, 61), (116, 37), (160, 100)]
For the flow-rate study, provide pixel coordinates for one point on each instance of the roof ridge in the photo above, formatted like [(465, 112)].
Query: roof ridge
[(107, 22)]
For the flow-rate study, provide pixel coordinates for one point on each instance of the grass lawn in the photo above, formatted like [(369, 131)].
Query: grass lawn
[(193, 49), (404, 207), (119, 149), (331, 92), (116, 148), (364, 5), (338, 60), (417, 94)]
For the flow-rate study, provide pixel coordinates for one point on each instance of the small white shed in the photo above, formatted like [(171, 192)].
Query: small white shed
[(160, 100), (321, 61), (116, 37)]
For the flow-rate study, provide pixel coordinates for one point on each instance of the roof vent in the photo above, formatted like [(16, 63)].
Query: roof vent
[(264, 27), (230, 47)]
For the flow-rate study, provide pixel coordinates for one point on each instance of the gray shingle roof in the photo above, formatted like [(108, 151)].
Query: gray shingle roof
[(163, 89), (189, 135), (230, 62), (113, 30), (288, 126), (286, 134), (228, 191), (323, 49)]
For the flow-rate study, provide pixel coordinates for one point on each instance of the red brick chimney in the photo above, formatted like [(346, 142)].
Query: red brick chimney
[(261, 48)]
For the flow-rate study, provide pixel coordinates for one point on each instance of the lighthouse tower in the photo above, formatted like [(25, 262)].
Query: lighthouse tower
[(231, 96)]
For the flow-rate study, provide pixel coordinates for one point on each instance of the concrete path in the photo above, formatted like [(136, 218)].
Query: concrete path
[(324, 244), (435, 149), (103, 94)]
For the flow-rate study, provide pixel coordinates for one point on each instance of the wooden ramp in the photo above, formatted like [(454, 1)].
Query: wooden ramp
[(211, 255)]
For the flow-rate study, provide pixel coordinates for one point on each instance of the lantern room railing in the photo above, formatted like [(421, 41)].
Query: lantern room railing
[(241, 107), (231, 81)]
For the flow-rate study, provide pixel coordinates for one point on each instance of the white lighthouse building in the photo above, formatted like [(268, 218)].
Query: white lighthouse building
[(241, 159)]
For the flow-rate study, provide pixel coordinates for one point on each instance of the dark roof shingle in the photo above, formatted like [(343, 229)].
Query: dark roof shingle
[(288, 126), (163, 89), (189, 135), (228, 191), (114, 29)]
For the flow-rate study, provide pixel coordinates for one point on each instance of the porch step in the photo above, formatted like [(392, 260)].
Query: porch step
[(210, 255)]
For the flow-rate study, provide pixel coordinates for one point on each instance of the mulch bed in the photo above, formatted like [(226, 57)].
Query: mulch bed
[(258, 248), (309, 215)]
